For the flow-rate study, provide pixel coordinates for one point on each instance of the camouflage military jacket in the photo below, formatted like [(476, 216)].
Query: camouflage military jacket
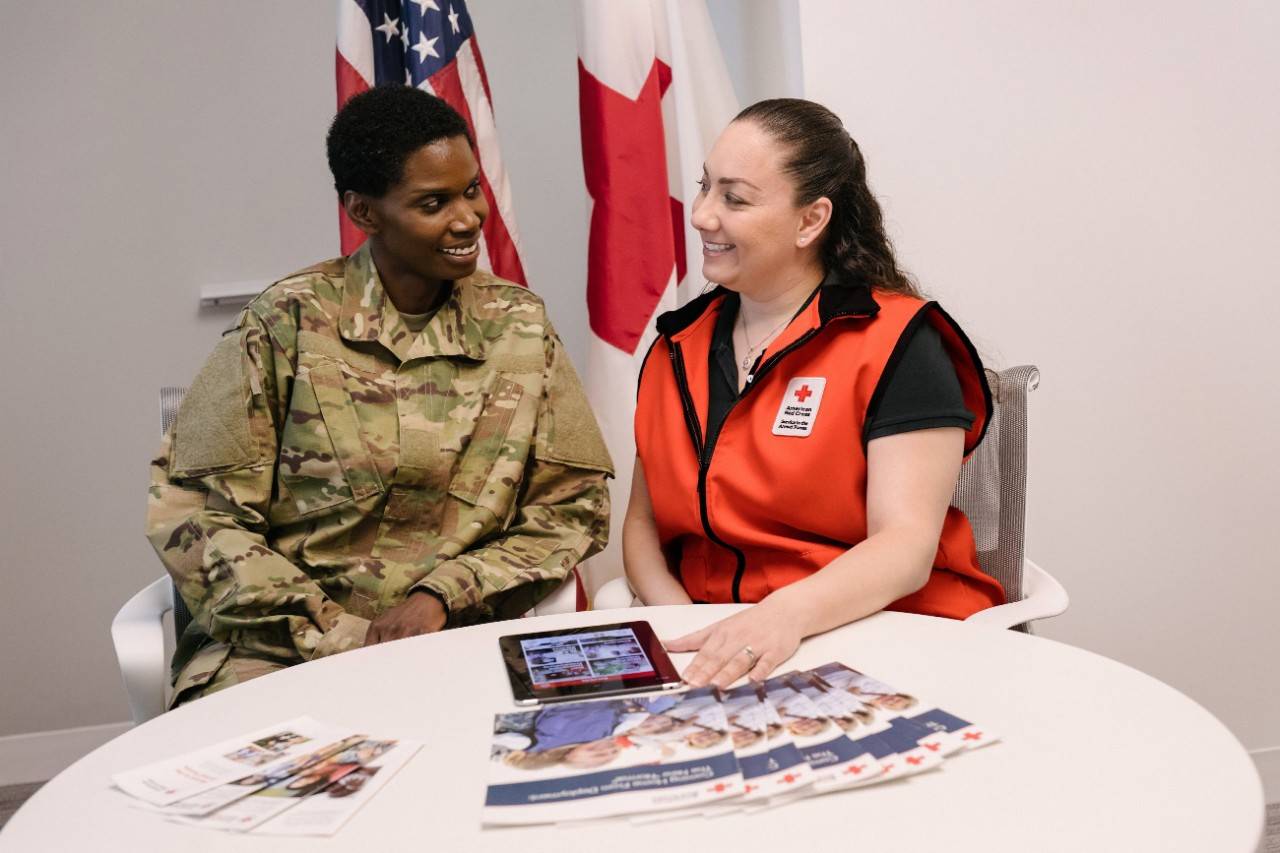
[(327, 461)]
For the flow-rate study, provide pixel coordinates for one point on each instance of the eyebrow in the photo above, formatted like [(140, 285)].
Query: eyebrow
[(424, 192), (731, 180), (737, 181)]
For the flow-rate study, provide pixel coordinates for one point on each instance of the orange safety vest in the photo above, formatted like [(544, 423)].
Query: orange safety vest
[(783, 490)]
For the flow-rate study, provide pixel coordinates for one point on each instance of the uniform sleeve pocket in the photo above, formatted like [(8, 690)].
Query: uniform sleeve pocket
[(212, 431)]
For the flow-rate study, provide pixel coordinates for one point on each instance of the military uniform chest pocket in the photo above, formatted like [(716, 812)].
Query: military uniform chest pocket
[(492, 466), (323, 458)]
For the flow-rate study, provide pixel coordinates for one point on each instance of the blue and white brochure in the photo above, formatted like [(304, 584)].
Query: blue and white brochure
[(603, 757), (771, 763), (942, 732), (903, 748), (837, 761)]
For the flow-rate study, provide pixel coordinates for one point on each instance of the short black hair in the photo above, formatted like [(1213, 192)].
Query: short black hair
[(376, 131)]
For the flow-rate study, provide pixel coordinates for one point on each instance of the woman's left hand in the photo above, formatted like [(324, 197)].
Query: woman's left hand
[(726, 648)]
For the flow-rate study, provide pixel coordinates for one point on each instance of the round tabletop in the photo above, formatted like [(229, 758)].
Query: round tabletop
[(1095, 755)]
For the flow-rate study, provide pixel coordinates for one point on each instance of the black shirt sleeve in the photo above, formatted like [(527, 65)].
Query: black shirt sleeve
[(923, 391)]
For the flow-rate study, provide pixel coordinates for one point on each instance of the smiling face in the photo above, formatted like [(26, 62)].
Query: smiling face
[(754, 238), (894, 702), (425, 229), (806, 726), (703, 738), (593, 753)]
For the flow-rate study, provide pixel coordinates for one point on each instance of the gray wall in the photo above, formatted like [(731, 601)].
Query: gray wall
[(149, 148), (1094, 188)]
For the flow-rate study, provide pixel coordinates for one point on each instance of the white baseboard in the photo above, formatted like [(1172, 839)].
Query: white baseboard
[(39, 756), (1268, 763)]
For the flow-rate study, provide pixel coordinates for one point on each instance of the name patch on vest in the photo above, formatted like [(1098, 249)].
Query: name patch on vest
[(799, 407)]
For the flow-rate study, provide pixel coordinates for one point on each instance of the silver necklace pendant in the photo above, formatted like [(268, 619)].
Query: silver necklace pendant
[(746, 361)]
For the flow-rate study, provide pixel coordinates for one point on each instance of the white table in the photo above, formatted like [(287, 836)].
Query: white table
[(1096, 756)]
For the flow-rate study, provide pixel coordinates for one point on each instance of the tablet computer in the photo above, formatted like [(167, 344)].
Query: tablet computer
[(598, 660)]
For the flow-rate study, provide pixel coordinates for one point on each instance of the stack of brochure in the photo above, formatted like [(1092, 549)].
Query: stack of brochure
[(300, 777), (708, 752)]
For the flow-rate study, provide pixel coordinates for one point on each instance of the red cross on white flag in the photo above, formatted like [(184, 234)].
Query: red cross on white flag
[(654, 94)]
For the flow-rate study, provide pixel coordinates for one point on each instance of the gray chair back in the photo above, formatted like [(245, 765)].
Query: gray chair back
[(170, 400), (992, 490)]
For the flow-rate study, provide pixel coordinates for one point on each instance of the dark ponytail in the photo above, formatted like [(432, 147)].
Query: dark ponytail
[(823, 160)]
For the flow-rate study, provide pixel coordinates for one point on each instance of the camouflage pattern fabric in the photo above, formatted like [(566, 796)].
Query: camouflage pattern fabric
[(327, 461)]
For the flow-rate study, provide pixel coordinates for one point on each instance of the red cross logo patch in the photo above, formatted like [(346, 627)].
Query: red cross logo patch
[(799, 407)]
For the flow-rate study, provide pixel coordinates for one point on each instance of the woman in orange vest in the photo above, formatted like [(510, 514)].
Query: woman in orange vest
[(800, 427)]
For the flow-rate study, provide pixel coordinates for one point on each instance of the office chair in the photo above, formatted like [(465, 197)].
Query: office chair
[(991, 492)]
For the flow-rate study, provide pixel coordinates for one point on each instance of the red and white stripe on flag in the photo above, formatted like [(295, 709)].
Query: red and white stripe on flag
[(422, 44), (654, 94)]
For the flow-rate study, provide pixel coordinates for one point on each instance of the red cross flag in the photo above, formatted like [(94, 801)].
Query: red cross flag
[(654, 94)]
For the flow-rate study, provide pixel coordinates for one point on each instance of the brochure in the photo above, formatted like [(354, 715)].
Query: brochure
[(837, 761), (282, 795), (216, 798), (166, 782), (325, 812), (771, 764), (946, 733), (862, 730), (596, 758)]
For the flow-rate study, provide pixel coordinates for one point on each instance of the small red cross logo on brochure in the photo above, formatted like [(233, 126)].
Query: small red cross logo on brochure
[(973, 735), (799, 407)]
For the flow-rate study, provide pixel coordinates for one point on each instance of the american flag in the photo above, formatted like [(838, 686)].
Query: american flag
[(654, 93), (431, 44)]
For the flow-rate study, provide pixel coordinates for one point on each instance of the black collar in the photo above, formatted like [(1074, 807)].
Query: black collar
[(836, 298)]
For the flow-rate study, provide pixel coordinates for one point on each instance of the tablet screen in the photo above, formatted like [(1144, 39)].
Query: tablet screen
[(592, 656), (595, 660)]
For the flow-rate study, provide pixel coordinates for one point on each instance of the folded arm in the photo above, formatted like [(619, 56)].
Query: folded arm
[(561, 510)]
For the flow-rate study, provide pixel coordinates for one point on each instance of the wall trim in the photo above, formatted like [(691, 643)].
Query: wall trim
[(39, 756), (1268, 763)]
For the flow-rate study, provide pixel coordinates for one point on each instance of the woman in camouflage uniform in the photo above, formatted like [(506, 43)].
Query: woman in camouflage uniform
[(386, 444)]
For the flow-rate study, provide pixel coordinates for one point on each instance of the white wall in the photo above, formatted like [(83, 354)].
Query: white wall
[(146, 149), (1095, 189)]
